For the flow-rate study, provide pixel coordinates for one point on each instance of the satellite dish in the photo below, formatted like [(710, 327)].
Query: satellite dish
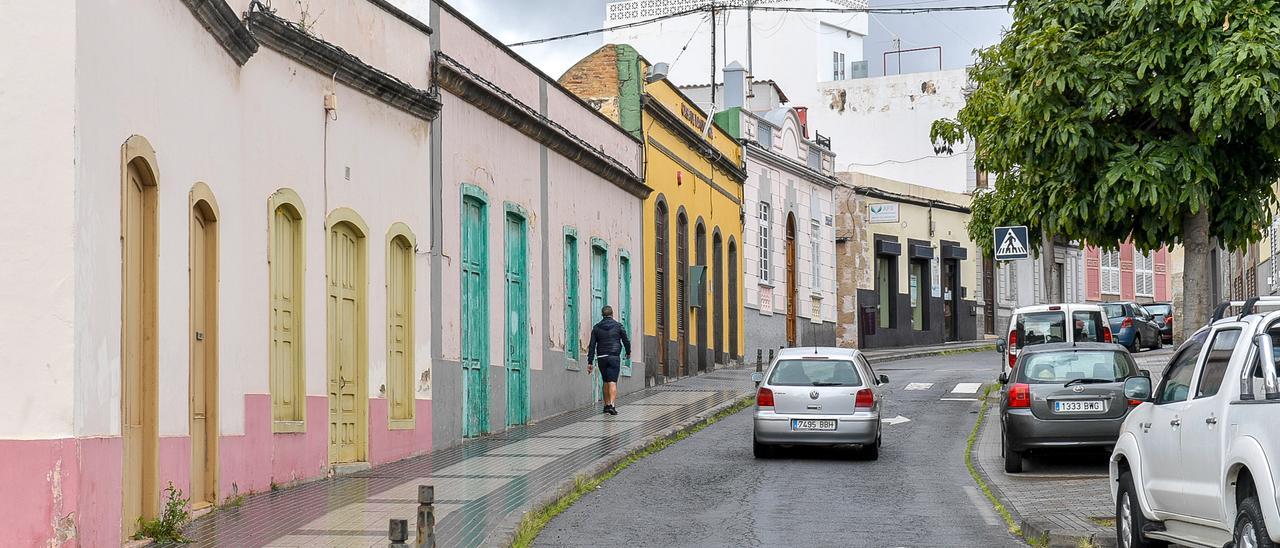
[(656, 72)]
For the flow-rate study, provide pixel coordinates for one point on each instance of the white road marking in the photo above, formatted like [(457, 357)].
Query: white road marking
[(959, 399), (919, 386), (896, 420), (966, 388)]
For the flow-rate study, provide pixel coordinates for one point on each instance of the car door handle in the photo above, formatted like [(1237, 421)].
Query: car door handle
[(1175, 422), (1211, 420)]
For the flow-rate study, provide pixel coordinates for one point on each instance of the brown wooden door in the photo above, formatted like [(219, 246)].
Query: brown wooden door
[(791, 281), (717, 296), (700, 255), (989, 295), (204, 370), (661, 309), (734, 268), (139, 426), (682, 301)]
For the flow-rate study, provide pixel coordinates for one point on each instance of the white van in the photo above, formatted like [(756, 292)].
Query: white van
[(1047, 323)]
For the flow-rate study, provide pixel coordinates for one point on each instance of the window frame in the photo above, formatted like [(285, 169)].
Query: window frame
[(1196, 341), (398, 233), (764, 239), (1109, 272), (1144, 274), (572, 309), (1208, 358)]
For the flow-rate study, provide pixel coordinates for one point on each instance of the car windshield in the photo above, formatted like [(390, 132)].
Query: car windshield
[(1113, 310), (1069, 365), (1042, 327), (813, 372), (1158, 309)]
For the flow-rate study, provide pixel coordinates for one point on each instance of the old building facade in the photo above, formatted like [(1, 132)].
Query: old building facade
[(692, 220), (906, 266), (1128, 274)]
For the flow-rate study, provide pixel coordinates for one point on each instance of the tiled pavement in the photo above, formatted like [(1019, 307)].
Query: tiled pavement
[(483, 487), (1064, 493)]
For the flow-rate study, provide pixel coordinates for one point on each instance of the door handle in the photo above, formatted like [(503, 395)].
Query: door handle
[(1175, 422), (1211, 420)]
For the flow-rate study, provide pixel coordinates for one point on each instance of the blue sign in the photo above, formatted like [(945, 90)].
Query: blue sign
[(1012, 243)]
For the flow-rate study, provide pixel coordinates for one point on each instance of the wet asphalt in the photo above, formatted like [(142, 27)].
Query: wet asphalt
[(708, 490)]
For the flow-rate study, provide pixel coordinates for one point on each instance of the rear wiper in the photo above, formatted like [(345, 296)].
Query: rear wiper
[(816, 383), (1087, 381)]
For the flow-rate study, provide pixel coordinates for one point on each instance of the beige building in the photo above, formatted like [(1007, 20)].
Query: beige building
[(906, 271)]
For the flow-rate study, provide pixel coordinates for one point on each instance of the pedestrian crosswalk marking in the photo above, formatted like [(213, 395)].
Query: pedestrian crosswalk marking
[(959, 399), (967, 388), (919, 386)]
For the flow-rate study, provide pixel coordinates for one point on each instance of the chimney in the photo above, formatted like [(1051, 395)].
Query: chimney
[(803, 114), (735, 86)]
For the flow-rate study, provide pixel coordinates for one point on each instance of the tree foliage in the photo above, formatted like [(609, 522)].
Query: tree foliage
[(1112, 119)]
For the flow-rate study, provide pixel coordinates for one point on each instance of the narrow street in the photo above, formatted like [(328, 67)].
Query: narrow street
[(708, 490)]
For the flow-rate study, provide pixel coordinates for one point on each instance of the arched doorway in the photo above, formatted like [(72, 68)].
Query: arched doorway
[(717, 296), (660, 254), (346, 342), (139, 371), (682, 296), (734, 268), (517, 334), (700, 257), (791, 281), (203, 379), (475, 312)]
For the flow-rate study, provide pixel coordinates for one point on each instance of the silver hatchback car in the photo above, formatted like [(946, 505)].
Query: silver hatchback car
[(818, 396)]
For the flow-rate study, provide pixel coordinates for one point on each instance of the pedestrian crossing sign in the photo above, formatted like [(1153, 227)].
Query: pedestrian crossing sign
[(1011, 243)]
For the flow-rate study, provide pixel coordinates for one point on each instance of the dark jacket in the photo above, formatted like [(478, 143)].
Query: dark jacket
[(608, 338)]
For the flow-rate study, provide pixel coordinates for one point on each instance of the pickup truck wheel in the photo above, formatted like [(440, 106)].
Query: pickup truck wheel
[(1129, 519), (1251, 530), (1012, 459)]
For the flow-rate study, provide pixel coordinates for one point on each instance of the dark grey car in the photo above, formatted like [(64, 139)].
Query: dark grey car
[(1062, 396)]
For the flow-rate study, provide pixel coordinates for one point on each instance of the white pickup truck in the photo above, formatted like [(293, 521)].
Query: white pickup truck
[(1198, 459)]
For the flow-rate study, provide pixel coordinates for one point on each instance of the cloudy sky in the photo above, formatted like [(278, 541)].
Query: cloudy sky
[(959, 33)]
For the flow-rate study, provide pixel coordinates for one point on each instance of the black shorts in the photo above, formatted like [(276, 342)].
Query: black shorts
[(609, 366)]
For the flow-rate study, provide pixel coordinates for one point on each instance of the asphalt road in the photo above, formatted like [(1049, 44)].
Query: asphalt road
[(708, 490)]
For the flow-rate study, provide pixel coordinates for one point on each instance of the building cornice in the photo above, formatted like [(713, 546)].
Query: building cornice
[(220, 21), (754, 150), (693, 170), (457, 79), (904, 199), (692, 138), (330, 60)]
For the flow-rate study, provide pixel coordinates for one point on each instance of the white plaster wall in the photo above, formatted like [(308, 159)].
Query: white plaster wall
[(880, 126), (245, 132), (37, 225)]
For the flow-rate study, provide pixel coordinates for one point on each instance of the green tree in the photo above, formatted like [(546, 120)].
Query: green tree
[(1105, 120)]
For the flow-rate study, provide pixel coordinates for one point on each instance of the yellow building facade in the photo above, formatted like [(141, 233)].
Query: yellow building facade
[(692, 253)]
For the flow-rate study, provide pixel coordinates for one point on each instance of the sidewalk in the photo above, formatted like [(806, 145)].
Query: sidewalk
[(483, 487)]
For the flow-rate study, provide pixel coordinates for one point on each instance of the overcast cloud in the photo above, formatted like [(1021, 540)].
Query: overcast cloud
[(959, 33)]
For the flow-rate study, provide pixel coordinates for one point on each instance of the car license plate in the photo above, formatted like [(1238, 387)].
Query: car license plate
[(1085, 406), (813, 424)]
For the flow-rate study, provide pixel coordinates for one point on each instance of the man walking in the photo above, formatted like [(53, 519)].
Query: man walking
[(609, 338)]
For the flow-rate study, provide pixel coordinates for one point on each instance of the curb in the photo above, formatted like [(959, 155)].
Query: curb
[(505, 533)]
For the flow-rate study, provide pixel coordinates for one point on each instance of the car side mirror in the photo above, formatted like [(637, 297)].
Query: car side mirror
[(1001, 346), (1137, 388), (757, 377), (1004, 378), (884, 379)]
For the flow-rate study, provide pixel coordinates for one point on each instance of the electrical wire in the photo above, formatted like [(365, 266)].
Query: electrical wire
[(781, 9), (880, 163)]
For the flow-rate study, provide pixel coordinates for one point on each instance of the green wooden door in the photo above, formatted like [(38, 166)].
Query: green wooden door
[(475, 318), (624, 304), (599, 298), (517, 321)]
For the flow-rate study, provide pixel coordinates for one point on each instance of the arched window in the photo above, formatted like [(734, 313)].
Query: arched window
[(285, 265), (400, 331), (660, 266)]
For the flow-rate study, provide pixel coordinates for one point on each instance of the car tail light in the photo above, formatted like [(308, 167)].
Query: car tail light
[(866, 399), (1128, 322), (1019, 396), (1013, 339), (1106, 334), (1013, 359), (1168, 320), (1135, 403), (764, 398)]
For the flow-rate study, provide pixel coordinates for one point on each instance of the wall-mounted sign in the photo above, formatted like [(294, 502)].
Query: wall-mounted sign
[(882, 213), (692, 116), (829, 220)]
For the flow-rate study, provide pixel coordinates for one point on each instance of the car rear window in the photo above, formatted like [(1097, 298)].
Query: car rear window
[(1069, 365), (1114, 310), (1159, 309), (1087, 326), (815, 373), (1041, 327)]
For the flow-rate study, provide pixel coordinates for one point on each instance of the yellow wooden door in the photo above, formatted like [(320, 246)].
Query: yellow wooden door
[(346, 272), (204, 382), (139, 431)]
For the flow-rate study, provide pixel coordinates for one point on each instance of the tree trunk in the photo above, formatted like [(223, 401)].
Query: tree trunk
[(1197, 274), (1047, 260)]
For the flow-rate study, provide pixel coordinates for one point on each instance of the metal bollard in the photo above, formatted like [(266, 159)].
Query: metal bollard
[(426, 516), (770, 355), (759, 358), (398, 532)]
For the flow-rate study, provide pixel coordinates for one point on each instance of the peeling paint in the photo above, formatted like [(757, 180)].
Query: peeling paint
[(63, 525)]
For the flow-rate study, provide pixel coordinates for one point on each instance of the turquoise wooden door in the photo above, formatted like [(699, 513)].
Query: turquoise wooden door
[(475, 318), (599, 297), (624, 304), (517, 321)]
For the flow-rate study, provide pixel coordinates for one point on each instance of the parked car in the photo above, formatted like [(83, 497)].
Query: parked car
[(1198, 462), (818, 396), (1163, 314), (1047, 323), (1064, 396), (1132, 326)]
